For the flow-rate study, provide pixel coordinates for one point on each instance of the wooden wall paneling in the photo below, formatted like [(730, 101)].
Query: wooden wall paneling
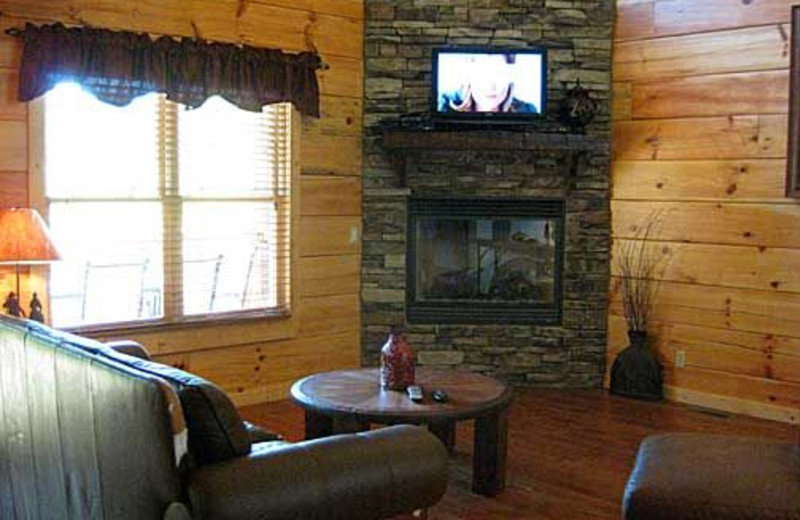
[(242, 369), (346, 8), (190, 338), (13, 146), (724, 358), (326, 315), (719, 350), (270, 26), (767, 344), (729, 403), (291, 360), (700, 129), (685, 334), (762, 92), (339, 116), (765, 269), (740, 50), (345, 77), (330, 275), (732, 137), (255, 360), (331, 196), (732, 223), (260, 394), (256, 24), (688, 16), (10, 108), (639, 19), (621, 100), (738, 181), (331, 155), (635, 19), (744, 310), (235, 368), (321, 236), (10, 48), (757, 389), (730, 392)]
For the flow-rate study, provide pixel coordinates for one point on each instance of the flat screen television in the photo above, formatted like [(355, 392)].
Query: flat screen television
[(472, 84)]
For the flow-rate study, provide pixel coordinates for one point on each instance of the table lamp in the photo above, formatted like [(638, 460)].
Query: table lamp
[(24, 240)]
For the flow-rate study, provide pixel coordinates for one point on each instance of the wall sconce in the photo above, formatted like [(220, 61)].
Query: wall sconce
[(24, 240)]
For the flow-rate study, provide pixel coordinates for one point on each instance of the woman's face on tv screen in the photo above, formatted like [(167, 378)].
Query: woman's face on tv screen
[(490, 81)]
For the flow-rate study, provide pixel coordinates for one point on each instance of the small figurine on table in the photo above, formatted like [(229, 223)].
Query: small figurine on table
[(36, 309), (12, 307)]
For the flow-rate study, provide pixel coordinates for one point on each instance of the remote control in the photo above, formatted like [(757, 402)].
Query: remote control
[(415, 393), (440, 396)]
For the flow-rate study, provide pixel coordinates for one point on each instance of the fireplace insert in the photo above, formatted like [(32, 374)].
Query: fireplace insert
[(485, 261)]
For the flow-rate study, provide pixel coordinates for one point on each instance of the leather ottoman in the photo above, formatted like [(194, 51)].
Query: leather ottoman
[(701, 476)]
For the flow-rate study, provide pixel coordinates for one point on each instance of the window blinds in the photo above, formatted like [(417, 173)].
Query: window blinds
[(229, 203), (166, 212)]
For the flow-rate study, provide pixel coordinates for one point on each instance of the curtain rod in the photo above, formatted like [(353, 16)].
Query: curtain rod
[(16, 33)]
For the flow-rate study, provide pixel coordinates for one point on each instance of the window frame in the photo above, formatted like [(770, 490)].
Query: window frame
[(793, 148), (41, 273)]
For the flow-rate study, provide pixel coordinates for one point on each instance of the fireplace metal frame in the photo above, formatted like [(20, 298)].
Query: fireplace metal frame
[(484, 313)]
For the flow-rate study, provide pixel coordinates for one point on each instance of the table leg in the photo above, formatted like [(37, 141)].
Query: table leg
[(318, 425), (489, 458), (446, 431)]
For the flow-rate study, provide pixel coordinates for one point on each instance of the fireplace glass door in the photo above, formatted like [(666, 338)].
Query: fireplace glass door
[(485, 261)]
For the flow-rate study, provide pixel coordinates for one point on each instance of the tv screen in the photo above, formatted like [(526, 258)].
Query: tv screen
[(503, 85)]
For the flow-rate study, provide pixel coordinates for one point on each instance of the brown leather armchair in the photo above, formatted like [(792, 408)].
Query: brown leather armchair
[(93, 432), (703, 476)]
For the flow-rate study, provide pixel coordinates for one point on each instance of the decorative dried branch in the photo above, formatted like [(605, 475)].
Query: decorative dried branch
[(641, 267)]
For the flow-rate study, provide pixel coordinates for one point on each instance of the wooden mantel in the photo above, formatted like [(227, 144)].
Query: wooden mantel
[(492, 140), (404, 144)]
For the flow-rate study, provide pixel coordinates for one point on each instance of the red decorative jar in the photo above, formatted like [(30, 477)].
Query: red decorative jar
[(397, 363)]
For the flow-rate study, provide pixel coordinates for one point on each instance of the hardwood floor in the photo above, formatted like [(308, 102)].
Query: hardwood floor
[(570, 452)]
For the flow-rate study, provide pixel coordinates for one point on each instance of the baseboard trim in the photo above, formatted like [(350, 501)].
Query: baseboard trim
[(732, 405)]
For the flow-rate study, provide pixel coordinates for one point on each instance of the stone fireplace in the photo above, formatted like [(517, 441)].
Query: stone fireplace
[(489, 246), (484, 261)]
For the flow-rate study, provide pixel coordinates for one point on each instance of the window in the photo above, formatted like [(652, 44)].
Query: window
[(163, 212)]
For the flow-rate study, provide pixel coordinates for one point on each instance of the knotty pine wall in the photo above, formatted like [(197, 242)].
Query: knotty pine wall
[(253, 361), (700, 125)]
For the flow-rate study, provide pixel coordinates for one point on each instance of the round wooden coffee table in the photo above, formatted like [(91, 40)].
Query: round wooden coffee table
[(348, 401)]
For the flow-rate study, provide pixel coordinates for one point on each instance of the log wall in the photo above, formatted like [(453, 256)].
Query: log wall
[(254, 361), (700, 126)]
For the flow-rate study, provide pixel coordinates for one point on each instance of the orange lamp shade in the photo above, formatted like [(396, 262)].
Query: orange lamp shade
[(24, 238)]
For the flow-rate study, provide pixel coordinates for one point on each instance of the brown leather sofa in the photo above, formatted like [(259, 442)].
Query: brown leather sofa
[(92, 431), (713, 477)]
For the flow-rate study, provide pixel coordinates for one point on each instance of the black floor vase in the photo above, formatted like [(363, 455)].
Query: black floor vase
[(637, 372)]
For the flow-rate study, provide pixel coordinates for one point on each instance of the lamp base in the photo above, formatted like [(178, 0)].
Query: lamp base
[(36, 309), (12, 306)]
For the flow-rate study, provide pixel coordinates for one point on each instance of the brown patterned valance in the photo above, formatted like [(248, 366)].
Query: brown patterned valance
[(119, 66)]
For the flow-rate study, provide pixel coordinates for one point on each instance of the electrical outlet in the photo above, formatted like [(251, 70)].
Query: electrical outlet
[(353, 235), (680, 358)]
